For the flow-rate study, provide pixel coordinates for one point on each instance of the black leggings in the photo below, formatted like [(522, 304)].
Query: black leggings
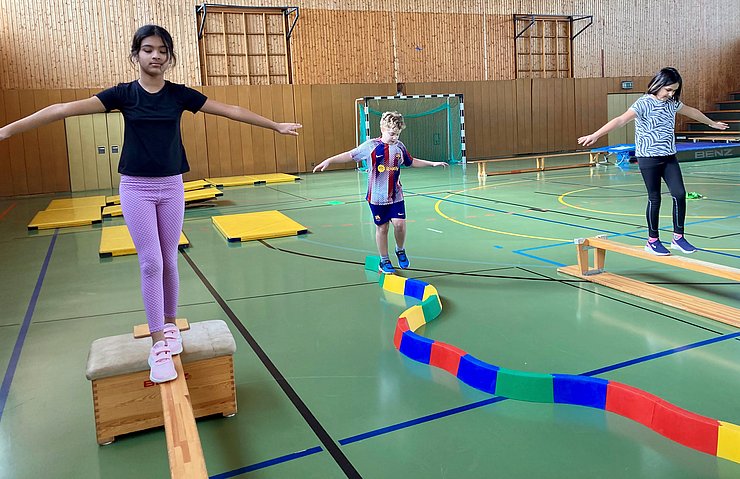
[(666, 167)]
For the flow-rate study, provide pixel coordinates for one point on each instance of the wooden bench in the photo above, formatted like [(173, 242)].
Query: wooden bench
[(124, 398), (686, 302), (539, 163)]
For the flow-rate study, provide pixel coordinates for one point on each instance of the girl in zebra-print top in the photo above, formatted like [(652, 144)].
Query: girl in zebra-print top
[(655, 148)]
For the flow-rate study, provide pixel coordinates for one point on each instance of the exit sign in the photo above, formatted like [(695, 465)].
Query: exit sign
[(626, 85)]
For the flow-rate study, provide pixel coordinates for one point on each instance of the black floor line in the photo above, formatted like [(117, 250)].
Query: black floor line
[(326, 440)]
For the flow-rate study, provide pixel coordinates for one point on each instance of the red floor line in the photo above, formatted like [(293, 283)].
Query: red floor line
[(7, 210)]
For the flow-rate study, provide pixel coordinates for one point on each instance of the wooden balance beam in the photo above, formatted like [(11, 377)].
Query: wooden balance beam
[(539, 163), (183, 442), (675, 299)]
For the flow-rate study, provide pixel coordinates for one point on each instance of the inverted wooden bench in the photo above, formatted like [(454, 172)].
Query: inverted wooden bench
[(675, 299), (124, 398), (540, 165)]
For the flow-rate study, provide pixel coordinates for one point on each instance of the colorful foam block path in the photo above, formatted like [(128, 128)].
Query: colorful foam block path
[(692, 430), (254, 226)]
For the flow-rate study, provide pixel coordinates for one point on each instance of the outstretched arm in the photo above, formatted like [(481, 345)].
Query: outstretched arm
[(345, 157), (52, 113), (418, 163), (615, 123), (695, 114), (243, 115)]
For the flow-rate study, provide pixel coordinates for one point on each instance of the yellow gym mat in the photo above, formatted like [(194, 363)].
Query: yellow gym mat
[(66, 203), (191, 196), (116, 241), (188, 185), (260, 225), (252, 179), (48, 219)]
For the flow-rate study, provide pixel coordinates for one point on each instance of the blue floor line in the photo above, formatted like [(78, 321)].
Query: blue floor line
[(268, 463), (15, 356)]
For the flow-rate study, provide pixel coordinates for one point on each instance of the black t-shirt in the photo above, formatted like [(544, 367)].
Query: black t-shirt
[(152, 142)]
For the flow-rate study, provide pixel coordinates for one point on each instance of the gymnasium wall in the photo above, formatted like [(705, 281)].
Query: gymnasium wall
[(501, 117), (82, 44)]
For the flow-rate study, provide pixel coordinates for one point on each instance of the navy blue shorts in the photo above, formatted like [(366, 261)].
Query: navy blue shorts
[(384, 213)]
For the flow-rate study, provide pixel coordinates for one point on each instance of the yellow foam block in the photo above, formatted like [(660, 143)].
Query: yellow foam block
[(196, 185), (260, 225), (230, 180), (116, 241), (728, 442), (394, 284), (112, 210), (64, 203), (61, 218), (274, 178), (202, 194), (113, 200), (429, 291), (415, 317)]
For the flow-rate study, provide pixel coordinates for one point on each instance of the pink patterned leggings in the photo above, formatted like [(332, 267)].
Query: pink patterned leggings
[(153, 209)]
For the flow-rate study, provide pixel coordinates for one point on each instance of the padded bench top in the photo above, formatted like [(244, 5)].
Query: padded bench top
[(122, 354)]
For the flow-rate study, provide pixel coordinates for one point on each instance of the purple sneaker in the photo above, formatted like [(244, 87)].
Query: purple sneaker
[(173, 337), (657, 248), (683, 245), (160, 362)]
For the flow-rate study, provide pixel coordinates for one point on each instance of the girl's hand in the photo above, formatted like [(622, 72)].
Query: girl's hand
[(587, 140), (719, 125), (288, 128), (440, 163), (321, 166)]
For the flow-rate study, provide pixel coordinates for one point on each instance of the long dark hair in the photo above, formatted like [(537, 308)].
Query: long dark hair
[(152, 31), (666, 76)]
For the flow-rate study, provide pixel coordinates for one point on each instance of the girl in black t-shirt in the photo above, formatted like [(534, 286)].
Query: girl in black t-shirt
[(151, 166)]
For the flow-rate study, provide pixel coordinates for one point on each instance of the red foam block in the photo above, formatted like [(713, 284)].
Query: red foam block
[(446, 356), (685, 427), (401, 327), (630, 402)]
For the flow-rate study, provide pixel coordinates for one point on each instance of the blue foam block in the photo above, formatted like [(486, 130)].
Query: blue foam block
[(414, 288), (476, 373), (416, 347), (579, 390)]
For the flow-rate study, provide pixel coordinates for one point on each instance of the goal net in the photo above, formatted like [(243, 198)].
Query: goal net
[(435, 124)]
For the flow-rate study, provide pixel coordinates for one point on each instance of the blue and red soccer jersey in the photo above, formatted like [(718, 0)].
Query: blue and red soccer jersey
[(384, 169)]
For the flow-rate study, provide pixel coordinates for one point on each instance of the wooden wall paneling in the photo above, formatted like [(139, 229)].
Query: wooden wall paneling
[(340, 120), (221, 135), (6, 174), (305, 145), (489, 117), (507, 92), (60, 162), (258, 139), (287, 161), (87, 147), (235, 147), (278, 115), (15, 144), (524, 115), (210, 130), (269, 160), (102, 151), (539, 109), (48, 158), (568, 140), (245, 131), (114, 123), (32, 159), (74, 145)]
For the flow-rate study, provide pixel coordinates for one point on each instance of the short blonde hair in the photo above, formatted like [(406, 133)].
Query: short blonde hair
[(392, 120)]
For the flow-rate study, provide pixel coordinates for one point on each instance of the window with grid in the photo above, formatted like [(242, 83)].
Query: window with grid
[(243, 45), (543, 46)]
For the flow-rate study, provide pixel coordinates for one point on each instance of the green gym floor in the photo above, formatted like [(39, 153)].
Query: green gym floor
[(327, 393)]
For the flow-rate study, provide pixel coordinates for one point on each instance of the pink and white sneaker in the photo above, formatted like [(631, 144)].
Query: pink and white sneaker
[(160, 362), (173, 337)]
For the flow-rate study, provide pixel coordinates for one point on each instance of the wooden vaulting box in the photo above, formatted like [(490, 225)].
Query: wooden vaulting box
[(124, 398)]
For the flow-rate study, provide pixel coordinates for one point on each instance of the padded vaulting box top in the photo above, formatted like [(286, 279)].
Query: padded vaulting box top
[(122, 354)]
